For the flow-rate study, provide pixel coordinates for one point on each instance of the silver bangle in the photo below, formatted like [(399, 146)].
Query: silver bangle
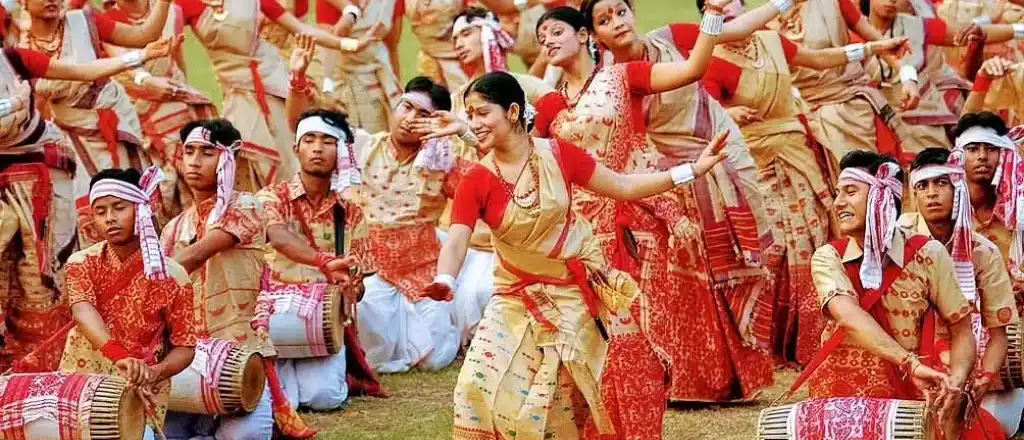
[(908, 74), (469, 138), (349, 44), (682, 174), (141, 77), (445, 279), (6, 107), (132, 59), (354, 10), (1018, 31), (983, 20), (854, 52), (783, 5), (712, 24)]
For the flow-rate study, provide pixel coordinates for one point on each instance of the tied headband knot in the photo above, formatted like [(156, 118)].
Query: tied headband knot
[(496, 42), (436, 154), (152, 251), (963, 213), (226, 169), (346, 172), (885, 192)]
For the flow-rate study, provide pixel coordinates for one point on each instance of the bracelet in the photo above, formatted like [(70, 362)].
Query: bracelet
[(907, 74), (982, 83), (469, 138), (141, 77), (354, 10), (1018, 31), (712, 24), (322, 258), (131, 59), (992, 376), (349, 44), (114, 351), (909, 363), (983, 20), (522, 5), (682, 174), (854, 52), (783, 5), (6, 107), (445, 279), (298, 83)]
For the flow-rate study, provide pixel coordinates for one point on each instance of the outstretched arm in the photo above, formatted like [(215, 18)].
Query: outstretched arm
[(141, 35), (745, 25), (671, 76), (821, 59), (107, 67)]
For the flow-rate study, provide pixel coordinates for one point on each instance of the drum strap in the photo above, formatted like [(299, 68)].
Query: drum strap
[(868, 300), (339, 229)]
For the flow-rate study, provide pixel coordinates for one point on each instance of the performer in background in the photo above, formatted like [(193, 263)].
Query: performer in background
[(998, 88), (431, 21), (132, 306), (37, 203), (542, 343)]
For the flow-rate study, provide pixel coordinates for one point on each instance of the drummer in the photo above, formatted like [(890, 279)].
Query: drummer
[(126, 298), (300, 221), (881, 355), (944, 212), (219, 240)]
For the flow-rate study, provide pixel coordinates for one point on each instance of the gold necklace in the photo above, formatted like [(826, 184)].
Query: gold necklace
[(50, 46), (751, 51)]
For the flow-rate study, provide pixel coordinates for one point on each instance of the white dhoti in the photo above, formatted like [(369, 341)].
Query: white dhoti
[(1006, 406), (399, 334), (315, 383), (473, 290), (257, 425)]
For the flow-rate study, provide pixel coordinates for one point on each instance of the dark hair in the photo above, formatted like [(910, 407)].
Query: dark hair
[(222, 131), (502, 89), (333, 118), (564, 14), (700, 4), (128, 175), (438, 94), (930, 156), (588, 11), (868, 160), (981, 119), (471, 13), (865, 7)]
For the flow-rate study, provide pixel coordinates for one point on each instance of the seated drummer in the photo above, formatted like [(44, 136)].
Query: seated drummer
[(884, 353), (944, 213), (300, 219), (220, 241), (127, 299)]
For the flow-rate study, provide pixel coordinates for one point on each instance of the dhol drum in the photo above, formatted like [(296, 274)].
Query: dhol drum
[(307, 320), (1012, 373), (63, 406), (845, 417), (224, 378)]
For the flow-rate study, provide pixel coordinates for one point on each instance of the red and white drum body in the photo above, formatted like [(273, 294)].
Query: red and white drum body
[(845, 418), (222, 379), (306, 321), (69, 406)]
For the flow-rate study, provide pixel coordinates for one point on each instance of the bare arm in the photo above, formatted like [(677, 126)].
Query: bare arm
[(453, 253), (671, 76), (141, 35), (294, 25), (107, 67), (90, 323), (292, 246), (194, 256), (995, 351), (501, 7), (865, 331), (745, 25), (175, 362), (962, 352)]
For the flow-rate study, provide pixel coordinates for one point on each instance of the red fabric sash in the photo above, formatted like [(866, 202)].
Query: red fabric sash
[(261, 90), (577, 277), (868, 301), (361, 379), (120, 286)]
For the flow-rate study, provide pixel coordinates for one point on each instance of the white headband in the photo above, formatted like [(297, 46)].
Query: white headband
[(880, 225), (152, 251), (317, 124), (226, 166), (982, 135), (346, 173), (930, 172), (495, 41), (420, 100)]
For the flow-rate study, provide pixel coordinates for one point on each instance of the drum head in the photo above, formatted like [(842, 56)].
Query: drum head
[(254, 379), (131, 416)]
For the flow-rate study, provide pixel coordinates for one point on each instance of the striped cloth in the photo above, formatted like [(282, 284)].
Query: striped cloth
[(149, 240)]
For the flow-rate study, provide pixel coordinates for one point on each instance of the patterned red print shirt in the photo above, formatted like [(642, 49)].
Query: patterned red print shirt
[(137, 311)]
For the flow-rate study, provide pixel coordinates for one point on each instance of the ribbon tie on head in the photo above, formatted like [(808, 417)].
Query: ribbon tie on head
[(226, 166), (152, 251), (495, 41), (1009, 182), (885, 192), (435, 154), (963, 213), (346, 172)]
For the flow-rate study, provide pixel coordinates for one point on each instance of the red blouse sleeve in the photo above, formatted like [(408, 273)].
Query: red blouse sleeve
[(104, 26), (684, 35), (399, 9), (935, 31), (577, 166), (326, 13), (850, 12), (272, 9), (191, 10), (789, 48), (470, 197), (36, 63), (638, 74), (548, 107), (721, 79)]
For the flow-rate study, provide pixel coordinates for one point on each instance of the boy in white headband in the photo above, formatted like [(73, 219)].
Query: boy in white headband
[(304, 215), (944, 213), (126, 297), (220, 240), (878, 286)]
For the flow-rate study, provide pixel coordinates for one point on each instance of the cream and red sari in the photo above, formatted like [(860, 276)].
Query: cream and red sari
[(793, 181), (163, 119), (431, 21), (533, 370), (942, 89), (963, 12), (97, 116)]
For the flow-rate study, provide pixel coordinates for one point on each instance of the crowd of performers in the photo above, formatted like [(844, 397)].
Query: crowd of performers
[(639, 219)]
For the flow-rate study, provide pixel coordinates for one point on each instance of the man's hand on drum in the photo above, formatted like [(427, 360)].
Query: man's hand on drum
[(934, 385), (344, 271), (135, 371)]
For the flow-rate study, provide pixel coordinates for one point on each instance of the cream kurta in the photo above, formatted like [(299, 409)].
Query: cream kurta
[(431, 21)]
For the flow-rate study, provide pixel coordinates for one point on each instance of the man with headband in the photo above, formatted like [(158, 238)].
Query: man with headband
[(303, 217), (220, 241), (481, 46), (878, 286), (127, 299), (995, 178), (945, 213)]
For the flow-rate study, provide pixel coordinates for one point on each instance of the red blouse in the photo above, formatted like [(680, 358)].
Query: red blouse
[(481, 194), (28, 63), (193, 9), (638, 81), (723, 77)]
